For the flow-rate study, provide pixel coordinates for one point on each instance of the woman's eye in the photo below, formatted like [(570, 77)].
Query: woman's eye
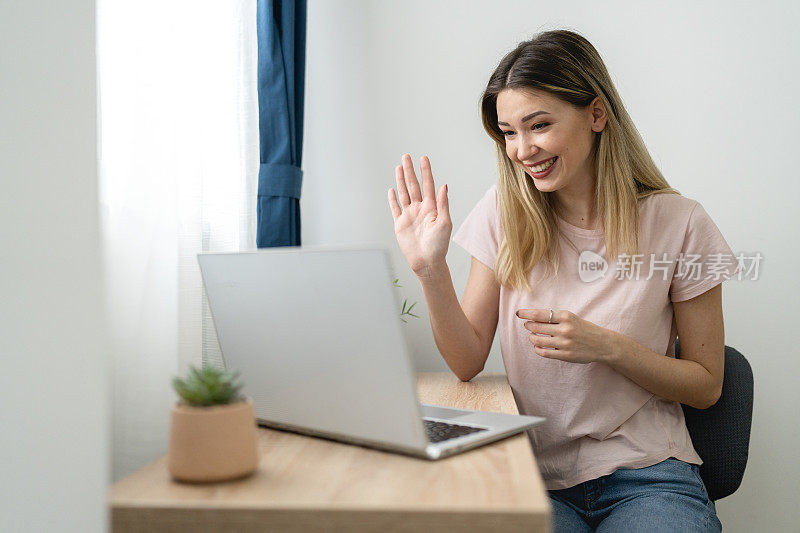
[(542, 124)]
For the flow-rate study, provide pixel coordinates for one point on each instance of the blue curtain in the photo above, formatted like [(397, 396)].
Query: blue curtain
[(281, 77)]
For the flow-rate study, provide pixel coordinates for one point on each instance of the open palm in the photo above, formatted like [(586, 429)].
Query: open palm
[(422, 222)]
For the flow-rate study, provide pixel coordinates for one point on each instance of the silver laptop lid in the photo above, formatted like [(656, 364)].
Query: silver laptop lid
[(316, 334)]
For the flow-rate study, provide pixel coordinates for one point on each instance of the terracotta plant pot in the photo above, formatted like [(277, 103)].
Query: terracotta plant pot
[(214, 443)]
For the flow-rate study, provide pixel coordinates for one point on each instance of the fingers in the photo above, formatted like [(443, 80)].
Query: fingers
[(411, 179), (393, 205), (408, 188), (428, 188), (401, 186), (443, 204)]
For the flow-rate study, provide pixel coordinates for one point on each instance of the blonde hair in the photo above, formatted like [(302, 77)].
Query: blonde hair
[(564, 64)]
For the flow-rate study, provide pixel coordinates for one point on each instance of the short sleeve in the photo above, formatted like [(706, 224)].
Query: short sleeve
[(705, 260), (480, 234)]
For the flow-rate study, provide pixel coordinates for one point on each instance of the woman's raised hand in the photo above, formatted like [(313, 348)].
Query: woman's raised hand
[(423, 225)]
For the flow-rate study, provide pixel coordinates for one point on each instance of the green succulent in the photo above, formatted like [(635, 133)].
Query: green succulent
[(208, 386)]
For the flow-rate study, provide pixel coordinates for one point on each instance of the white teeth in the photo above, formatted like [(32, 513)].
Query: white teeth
[(543, 166)]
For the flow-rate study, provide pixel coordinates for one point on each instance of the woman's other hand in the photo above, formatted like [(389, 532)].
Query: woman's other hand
[(571, 338)]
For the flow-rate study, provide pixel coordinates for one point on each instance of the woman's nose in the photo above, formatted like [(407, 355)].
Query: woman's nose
[(526, 151)]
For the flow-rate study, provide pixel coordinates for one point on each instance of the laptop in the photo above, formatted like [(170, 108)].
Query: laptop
[(316, 335)]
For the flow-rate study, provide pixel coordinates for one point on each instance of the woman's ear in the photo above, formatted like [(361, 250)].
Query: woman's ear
[(599, 116)]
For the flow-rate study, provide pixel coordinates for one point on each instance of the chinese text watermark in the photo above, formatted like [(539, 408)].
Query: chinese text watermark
[(686, 266)]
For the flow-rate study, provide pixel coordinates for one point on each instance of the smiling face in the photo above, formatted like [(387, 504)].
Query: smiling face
[(539, 127)]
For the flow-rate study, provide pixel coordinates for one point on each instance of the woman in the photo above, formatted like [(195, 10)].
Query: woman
[(587, 261)]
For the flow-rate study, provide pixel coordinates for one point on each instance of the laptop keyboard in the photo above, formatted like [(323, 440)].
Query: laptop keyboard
[(439, 431)]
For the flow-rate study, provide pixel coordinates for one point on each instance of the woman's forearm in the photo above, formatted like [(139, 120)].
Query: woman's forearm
[(681, 380), (455, 337)]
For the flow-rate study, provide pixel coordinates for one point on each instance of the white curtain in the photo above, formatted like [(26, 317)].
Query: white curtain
[(179, 162)]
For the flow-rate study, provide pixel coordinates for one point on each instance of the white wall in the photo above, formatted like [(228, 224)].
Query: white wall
[(712, 89), (54, 444)]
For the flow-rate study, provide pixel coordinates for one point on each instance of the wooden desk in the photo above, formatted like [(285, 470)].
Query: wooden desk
[(309, 484)]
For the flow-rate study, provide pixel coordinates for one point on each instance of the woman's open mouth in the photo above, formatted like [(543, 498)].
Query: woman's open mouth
[(545, 168)]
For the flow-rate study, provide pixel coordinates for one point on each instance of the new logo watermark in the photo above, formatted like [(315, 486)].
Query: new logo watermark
[(592, 266)]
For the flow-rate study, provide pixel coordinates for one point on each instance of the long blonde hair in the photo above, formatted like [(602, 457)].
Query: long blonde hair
[(566, 65)]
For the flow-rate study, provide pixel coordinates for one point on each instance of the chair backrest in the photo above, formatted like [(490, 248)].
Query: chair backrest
[(721, 433)]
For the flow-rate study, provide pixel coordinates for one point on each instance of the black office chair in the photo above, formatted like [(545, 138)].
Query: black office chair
[(721, 433)]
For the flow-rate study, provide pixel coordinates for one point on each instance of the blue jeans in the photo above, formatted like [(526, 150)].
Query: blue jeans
[(667, 496)]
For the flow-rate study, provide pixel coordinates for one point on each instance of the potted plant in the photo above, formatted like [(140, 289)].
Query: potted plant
[(405, 311), (213, 429)]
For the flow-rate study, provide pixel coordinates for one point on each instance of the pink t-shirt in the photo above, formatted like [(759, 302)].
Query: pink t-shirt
[(598, 420)]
